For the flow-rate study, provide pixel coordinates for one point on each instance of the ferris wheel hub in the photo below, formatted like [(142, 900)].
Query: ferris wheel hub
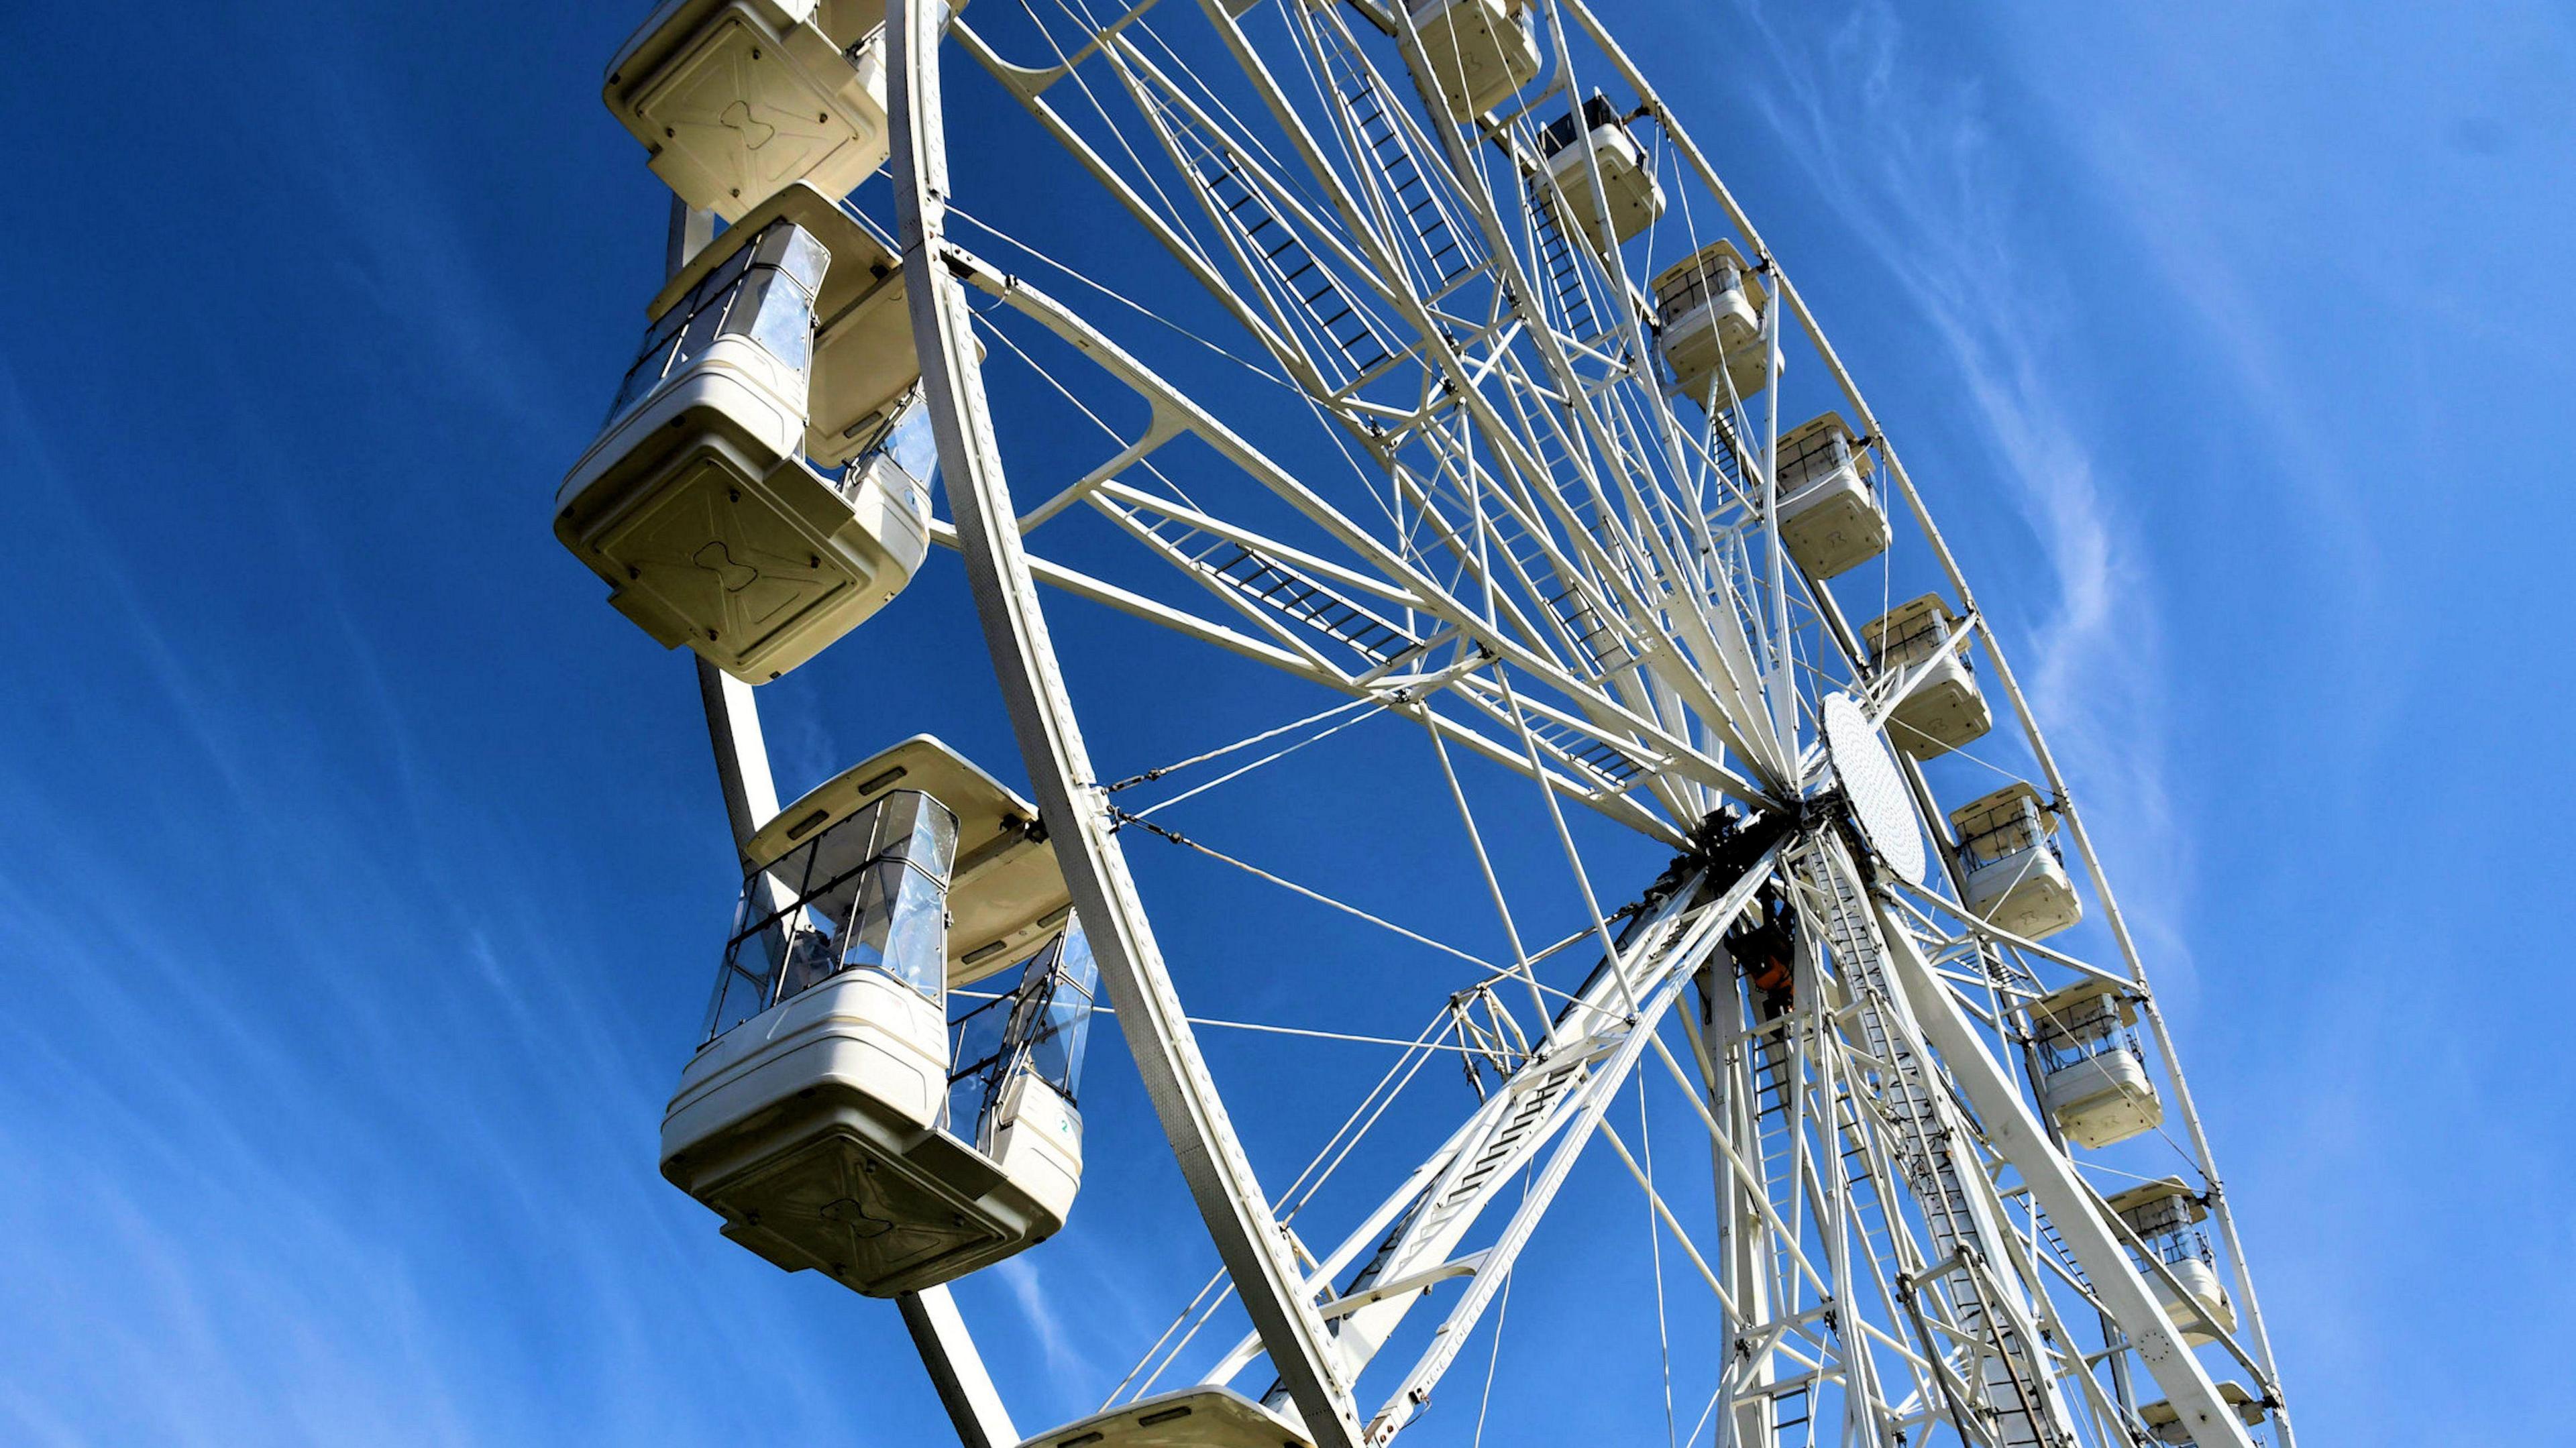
[(1872, 787)]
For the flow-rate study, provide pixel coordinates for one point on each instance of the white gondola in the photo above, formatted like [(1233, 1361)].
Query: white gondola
[(2092, 1076), (1199, 1417), (1945, 709), (738, 99), (1016, 1063), (1627, 181), (1711, 306), (2165, 1425), (2166, 1217), (1475, 53), (818, 1119), (698, 503), (1829, 514), (2015, 879)]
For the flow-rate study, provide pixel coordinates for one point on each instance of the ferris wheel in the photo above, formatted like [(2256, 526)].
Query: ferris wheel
[(1414, 359)]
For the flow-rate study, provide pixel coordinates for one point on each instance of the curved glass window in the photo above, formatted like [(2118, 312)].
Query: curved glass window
[(909, 444), (2079, 1033), (1042, 1027), (868, 893), (2168, 1232), (902, 454), (1817, 455), (1564, 131), (764, 291), (1696, 283), (1051, 1025), (2011, 829), (1923, 638), (2057, 1053)]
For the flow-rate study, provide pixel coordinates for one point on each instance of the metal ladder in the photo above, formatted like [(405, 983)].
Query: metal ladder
[(1511, 1129), (1791, 1411), (2057, 1246), (1293, 595), (1582, 621), (1596, 647), (1438, 244), (1768, 1063), (1532, 1101), (1870, 1213), (1269, 584), (1564, 270), (2009, 1376), (1231, 191), (1609, 766)]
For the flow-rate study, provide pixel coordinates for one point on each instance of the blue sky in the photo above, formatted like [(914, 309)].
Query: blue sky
[(367, 871)]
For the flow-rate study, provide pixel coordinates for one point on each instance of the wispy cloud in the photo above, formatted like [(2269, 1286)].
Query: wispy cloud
[(1066, 1364), (324, 1117), (1912, 168)]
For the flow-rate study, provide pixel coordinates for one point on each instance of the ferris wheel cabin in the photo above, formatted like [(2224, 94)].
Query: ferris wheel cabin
[(1945, 709), (2015, 879), (2092, 1076), (2164, 1425), (1628, 183), (738, 99), (698, 503), (2166, 1217), (1475, 53), (1711, 305), (1829, 515), (821, 1116), (1196, 1417)]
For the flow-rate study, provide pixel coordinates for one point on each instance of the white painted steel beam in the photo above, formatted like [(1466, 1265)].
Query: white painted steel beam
[(956, 1370), (742, 754), (2070, 1204)]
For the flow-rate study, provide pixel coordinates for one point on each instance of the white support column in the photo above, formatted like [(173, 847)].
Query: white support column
[(1239, 1218), (742, 754), (1746, 1248), (2069, 1202), (751, 800), (956, 1369)]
